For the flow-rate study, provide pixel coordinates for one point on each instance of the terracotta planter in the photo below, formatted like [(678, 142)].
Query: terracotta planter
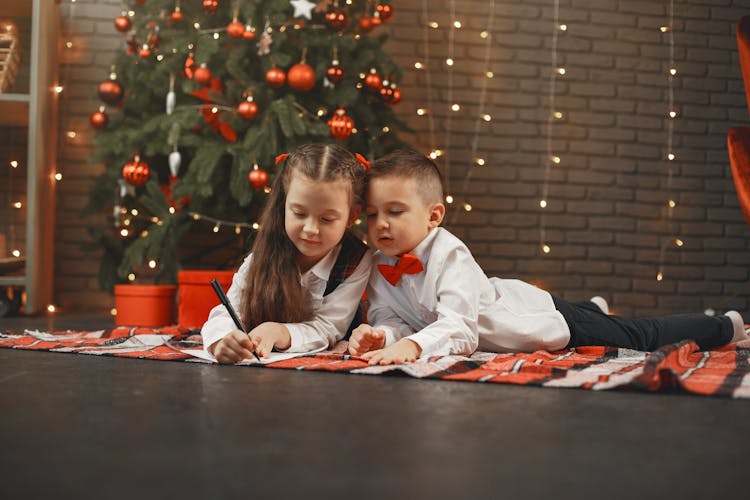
[(145, 305), (196, 298)]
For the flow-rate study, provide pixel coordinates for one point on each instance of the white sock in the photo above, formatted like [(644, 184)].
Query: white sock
[(739, 326), (601, 303)]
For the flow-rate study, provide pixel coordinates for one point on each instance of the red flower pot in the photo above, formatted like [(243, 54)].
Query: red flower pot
[(145, 305), (196, 298)]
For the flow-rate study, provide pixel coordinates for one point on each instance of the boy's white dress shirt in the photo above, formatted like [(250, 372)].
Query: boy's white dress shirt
[(332, 314), (453, 308)]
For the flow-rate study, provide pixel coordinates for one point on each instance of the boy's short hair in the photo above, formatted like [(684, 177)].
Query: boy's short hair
[(411, 165)]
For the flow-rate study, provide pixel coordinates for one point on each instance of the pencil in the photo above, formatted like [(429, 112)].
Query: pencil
[(225, 301)]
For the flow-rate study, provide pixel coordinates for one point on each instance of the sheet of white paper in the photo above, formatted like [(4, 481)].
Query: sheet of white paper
[(274, 356)]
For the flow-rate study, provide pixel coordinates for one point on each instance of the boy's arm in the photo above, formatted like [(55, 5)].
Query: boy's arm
[(380, 314)]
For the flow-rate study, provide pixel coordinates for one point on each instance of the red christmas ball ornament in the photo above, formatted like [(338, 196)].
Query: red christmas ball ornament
[(375, 20), (136, 172), (177, 15), (301, 77), (210, 6), (275, 77), (373, 81), (202, 74), (386, 93), (123, 24), (335, 74), (132, 45), (258, 178), (247, 109), (235, 29), (110, 91), (385, 11), (341, 125), (145, 51), (365, 24), (140, 2), (396, 96), (336, 19), (249, 33), (98, 119)]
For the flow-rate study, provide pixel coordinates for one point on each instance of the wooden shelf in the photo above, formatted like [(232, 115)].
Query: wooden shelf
[(14, 110)]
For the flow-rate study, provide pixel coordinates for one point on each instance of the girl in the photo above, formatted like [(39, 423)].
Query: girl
[(300, 287)]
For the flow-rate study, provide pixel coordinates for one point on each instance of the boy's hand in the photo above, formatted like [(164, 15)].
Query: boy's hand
[(365, 338), (233, 348), (403, 351)]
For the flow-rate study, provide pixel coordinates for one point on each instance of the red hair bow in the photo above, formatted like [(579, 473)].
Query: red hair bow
[(361, 159), (281, 158)]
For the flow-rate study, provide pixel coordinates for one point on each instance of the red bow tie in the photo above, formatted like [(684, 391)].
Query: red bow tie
[(407, 264)]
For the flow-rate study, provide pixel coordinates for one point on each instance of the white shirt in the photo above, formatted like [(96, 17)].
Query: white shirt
[(332, 314), (453, 308)]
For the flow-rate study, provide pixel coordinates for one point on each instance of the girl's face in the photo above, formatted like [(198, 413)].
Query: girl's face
[(316, 215)]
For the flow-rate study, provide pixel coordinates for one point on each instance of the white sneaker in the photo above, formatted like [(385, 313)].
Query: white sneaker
[(601, 303), (739, 326)]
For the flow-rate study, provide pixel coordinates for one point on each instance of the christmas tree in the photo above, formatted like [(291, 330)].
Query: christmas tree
[(203, 98)]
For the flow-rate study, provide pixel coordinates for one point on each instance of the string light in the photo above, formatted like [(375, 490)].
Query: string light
[(671, 156)]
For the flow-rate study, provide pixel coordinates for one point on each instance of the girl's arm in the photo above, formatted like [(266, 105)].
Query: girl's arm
[(334, 315), (219, 323)]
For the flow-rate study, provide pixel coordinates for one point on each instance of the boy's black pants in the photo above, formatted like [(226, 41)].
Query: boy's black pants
[(590, 326)]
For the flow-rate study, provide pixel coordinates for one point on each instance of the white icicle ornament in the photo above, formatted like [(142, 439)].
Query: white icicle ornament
[(175, 159), (171, 99)]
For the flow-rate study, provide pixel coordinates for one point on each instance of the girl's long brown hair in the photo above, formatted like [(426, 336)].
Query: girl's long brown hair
[(273, 291)]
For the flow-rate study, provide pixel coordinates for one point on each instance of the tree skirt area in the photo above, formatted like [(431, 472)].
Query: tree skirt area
[(677, 367)]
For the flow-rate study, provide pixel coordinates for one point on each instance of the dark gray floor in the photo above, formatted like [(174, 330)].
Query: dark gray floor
[(103, 427)]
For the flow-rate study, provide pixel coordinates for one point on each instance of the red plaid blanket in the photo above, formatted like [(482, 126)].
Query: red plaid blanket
[(677, 367)]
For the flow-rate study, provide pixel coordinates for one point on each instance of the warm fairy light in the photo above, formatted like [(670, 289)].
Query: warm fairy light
[(113, 311), (456, 107), (418, 65), (672, 114), (678, 242), (457, 24), (489, 74), (237, 230), (267, 189), (673, 71), (214, 110), (13, 164), (671, 156), (126, 222), (321, 112), (58, 89), (216, 36), (69, 45), (71, 134), (556, 160), (155, 220), (449, 199), (172, 210), (152, 264), (196, 216), (134, 212), (467, 207), (659, 276), (434, 25), (480, 162), (449, 61), (664, 29), (51, 308), (543, 203), (216, 228), (546, 249), (421, 111), (672, 203), (15, 253), (484, 34), (487, 117), (256, 226), (144, 233), (131, 277), (58, 176), (557, 114), (386, 129), (560, 71), (124, 232), (197, 26), (159, 57), (563, 27), (18, 204)]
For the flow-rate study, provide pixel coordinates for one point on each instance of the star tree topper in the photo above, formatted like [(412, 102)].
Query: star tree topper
[(303, 8)]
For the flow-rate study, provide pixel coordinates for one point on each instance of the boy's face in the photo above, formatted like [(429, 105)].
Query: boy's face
[(398, 219)]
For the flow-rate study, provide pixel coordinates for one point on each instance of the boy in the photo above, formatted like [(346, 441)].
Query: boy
[(428, 296)]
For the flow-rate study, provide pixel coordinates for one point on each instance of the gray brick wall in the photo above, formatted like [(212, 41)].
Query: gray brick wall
[(607, 199)]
